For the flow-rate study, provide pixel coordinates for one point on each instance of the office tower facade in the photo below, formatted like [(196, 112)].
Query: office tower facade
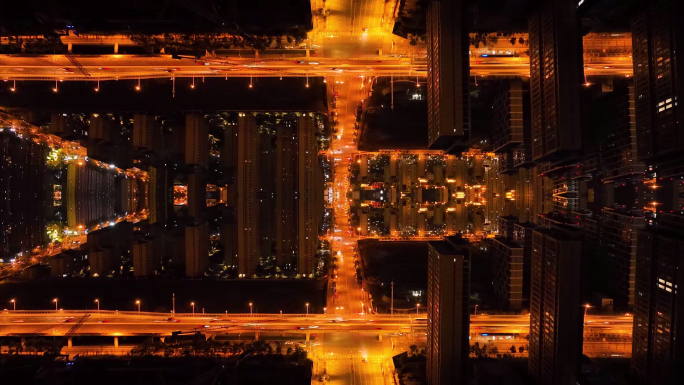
[(247, 186), (656, 37), (286, 185), (555, 309), (658, 308), (146, 132), (196, 140), (555, 81), (306, 175), (196, 249), (448, 318), (448, 74)]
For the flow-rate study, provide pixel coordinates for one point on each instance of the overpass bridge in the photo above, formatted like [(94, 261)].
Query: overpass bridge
[(71, 323), (133, 67)]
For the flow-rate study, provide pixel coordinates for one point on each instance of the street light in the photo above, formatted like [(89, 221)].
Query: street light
[(55, 301), (137, 88), (417, 306), (250, 308), (138, 303), (98, 303), (476, 309), (193, 82), (586, 307), (307, 308), (15, 304), (250, 82), (193, 307), (98, 86), (14, 88), (325, 310), (55, 89)]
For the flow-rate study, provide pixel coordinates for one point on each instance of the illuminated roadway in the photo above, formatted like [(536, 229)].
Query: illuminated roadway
[(113, 67), (114, 323)]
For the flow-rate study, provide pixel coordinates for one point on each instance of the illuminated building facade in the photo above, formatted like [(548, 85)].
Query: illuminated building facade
[(285, 192), (306, 175), (448, 74), (555, 75), (196, 249), (247, 186), (658, 308), (196, 140), (448, 319), (555, 312)]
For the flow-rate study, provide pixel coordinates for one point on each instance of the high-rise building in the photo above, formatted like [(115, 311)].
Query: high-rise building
[(26, 191), (146, 132), (285, 192), (197, 195), (101, 262), (61, 125), (656, 37), (229, 241), (510, 123), (265, 195), (616, 254), (306, 174), (101, 128), (146, 259), (507, 272), (555, 81), (159, 191), (658, 308), (229, 151), (62, 264), (90, 194), (196, 249), (196, 140), (448, 74), (247, 186), (555, 308), (612, 136), (448, 318)]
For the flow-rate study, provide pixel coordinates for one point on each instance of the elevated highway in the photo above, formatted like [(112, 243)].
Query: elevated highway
[(122, 67), (119, 323)]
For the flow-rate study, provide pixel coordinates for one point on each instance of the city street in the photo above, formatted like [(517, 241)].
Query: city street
[(349, 95), (356, 359)]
